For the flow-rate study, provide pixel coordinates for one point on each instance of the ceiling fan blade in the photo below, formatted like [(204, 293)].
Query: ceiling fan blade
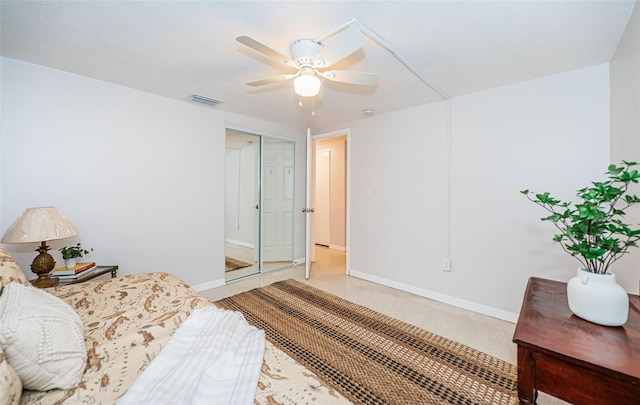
[(273, 79), (265, 50), (349, 76), (341, 46)]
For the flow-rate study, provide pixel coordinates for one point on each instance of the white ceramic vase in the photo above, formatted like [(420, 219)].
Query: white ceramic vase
[(69, 263), (598, 298)]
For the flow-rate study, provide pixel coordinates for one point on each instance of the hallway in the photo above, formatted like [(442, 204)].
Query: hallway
[(328, 262)]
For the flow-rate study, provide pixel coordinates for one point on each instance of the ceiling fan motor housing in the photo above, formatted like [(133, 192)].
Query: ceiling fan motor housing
[(304, 51)]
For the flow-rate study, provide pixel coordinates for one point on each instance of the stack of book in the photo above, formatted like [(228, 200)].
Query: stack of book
[(80, 270)]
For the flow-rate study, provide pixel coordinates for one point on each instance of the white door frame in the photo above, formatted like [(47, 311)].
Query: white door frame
[(308, 235), (311, 149)]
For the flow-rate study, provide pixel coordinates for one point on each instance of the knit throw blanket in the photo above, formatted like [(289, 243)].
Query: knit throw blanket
[(214, 357)]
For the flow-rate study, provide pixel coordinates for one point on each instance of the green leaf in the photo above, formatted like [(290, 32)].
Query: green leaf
[(631, 199), (593, 229), (553, 217), (545, 198), (631, 176), (613, 169)]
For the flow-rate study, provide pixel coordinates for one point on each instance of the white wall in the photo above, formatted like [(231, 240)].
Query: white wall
[(1, 149), (399, 231), (549, 134), (625, 92), (625, 125), (141, 176)]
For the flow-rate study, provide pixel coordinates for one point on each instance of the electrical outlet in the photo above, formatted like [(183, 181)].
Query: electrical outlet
[(446, 264)]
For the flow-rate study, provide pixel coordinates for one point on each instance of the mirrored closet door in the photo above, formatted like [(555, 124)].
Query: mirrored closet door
[(259, 190), (242, 199)]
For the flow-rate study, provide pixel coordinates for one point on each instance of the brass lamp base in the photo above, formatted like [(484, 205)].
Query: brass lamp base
[(42, 266), (45, 281)]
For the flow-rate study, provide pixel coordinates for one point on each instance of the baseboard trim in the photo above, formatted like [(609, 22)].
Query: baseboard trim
[(338, 247), (209, 285), (299, 261), (447, 299), (239, 243)]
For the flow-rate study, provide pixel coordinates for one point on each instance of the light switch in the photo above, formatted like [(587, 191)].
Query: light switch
[(367, 191)]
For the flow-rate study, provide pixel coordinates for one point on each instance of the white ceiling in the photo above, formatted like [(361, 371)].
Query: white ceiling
[(176, 48)]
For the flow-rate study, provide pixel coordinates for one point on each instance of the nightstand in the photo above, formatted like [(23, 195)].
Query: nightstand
[(573, 359)]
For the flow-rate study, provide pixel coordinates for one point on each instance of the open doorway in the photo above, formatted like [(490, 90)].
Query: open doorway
[(330, 204)]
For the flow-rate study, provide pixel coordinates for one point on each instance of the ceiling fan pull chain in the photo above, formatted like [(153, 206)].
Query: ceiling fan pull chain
[(313, 106)]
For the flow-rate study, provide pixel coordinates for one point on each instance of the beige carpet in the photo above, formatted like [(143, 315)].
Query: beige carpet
[(369, 357), (231, 264)]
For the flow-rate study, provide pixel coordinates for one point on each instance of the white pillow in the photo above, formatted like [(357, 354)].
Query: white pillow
[(42, 338)]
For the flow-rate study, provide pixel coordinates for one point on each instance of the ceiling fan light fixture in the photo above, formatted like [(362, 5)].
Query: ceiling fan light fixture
[(309, 56), (306, 85)]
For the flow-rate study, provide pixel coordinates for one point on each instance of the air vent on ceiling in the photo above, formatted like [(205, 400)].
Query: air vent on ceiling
[(205, 100)]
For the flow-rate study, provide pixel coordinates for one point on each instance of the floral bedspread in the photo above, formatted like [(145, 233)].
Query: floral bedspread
[(129, 319)]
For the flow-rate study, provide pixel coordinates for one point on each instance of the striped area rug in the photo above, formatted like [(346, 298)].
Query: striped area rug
[(231, 264), (369, 357)]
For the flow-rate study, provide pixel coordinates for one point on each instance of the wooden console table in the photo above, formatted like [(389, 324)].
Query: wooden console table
[(573, 359)]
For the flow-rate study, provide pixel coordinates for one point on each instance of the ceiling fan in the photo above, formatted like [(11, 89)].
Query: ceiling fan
[(310, 59)]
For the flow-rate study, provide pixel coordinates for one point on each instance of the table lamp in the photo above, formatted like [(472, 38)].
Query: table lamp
[(40, 225)]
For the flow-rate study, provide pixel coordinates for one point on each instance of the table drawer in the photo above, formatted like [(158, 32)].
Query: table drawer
[(577, 385)]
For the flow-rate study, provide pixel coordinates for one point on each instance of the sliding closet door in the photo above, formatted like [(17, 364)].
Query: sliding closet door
[(259, 204), (242, 199)]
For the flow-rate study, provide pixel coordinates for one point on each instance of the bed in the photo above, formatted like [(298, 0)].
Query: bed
[(151, 339), (126, 322)]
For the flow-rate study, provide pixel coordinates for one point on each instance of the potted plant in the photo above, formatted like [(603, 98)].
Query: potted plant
[(594, 231), (71, 254)]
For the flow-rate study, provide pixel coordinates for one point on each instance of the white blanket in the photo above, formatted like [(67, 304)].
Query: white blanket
[(213, 358)]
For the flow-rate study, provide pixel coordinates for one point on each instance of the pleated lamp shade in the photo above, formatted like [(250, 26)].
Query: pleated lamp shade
[(38, 225)]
